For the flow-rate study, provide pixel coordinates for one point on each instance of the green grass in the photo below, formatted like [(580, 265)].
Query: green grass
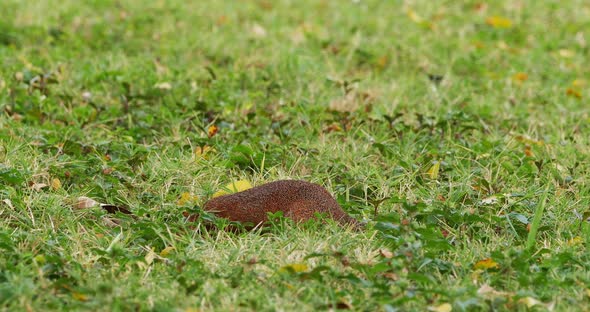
[(414, 110)]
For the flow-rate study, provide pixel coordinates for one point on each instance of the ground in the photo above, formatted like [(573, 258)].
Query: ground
[(458, 130)]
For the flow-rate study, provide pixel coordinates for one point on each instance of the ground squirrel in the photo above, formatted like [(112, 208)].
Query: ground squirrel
[(298, 200)]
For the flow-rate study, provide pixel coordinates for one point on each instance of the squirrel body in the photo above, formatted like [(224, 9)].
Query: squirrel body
[(298, 200)]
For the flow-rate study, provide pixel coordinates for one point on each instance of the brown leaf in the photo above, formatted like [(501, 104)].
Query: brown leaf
[(386, 253), (115, 209)]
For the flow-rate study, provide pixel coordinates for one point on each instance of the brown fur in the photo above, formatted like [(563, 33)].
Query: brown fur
[(298, 200)]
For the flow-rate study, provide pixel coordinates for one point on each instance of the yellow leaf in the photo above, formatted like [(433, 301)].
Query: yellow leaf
[(414, 16), (186, 198), (530, 302), (202, 151), (575, 241), (79, 296), (566, 53), (445, 307), (588, 292), (212, 130), (55, 184), (166, 251), (578, 83), (520, 77), (486, 264), (163, 86), (433, 171), (234, 187), (295, 267), (499, 22)]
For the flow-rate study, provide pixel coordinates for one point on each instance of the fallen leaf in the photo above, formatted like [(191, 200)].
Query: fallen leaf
[(578, 83), (414, 16), (347, 103), (166, 251), (520, 77), (79, 296), (186, 198), (86, 96), (234, 187), (163, 86), (530, 302), (489, 200), (258, 31), (489, 292), (202, 151), (445, 307), (528, 140), (486, 264), (566, 53), (499, 22), (84, 202), (114, 209), (212, 130), (55, 184), (575, 241), (295, 267), (386, 253), (528, 152), (8, 203), (434, 170), (38, 186), (150, 256)]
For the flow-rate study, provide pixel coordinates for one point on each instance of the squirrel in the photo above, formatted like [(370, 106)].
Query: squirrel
[(298, 200)]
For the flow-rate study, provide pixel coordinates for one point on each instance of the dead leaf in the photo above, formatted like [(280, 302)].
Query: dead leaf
[(166, 251), (8, 203), (347, 103), (295, 267), (489, 200), (233, 187), (530, 302), (445, 307), (575, 241), (520, 77), (212, 130), (258, 31), (414, 16), (38, 186), (386, 253), (186, 198), (84, 202), (499, 22), (566, 53), (86, 96), (486, 264), (434, 170), (79, 296), (55, 184), (114, 209), (203, 151), (163, 86), (489, 292)]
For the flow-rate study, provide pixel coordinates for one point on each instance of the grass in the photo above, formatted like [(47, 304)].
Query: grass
[(457, 129)]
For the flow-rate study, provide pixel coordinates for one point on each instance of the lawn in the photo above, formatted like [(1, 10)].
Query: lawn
[(457, 130)]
